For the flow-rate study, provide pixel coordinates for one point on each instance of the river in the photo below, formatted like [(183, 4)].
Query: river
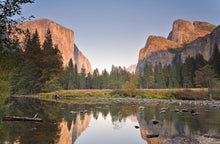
[(103, 123)]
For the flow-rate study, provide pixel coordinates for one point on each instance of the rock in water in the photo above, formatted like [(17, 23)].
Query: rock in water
[(137, 127), (73, 112), (194, 111), (176, 110), (164, 109), (154, 122), (163, 112), (141, 108), (151, 135), (184, 110)]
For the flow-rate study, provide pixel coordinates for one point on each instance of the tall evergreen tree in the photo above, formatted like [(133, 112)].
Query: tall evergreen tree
[(95, 79), (215, 59), (89, 81), (105, 79), (199, 61), (69, 76), (173, 81), (76, 78), (188, 72), (178, 75), (83, 78), (167, 74), (26, 80), (161, 78), (156, 76), (148, 77), (52, 62)]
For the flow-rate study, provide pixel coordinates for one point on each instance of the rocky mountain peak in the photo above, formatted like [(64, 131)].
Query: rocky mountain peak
[(184, 32), (156, 43), (185, 39)]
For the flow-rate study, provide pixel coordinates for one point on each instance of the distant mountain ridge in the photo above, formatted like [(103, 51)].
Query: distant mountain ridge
[(132, 68), (185, 39), (61, 36)]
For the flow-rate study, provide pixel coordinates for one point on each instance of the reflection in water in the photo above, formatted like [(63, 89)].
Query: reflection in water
[(104, 131), (102, 123), (68, 136)]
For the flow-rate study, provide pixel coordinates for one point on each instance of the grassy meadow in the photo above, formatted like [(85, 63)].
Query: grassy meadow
[(184, 94)]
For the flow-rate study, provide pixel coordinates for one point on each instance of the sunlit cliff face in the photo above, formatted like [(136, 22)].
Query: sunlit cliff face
[(185, 39), (62, 37)]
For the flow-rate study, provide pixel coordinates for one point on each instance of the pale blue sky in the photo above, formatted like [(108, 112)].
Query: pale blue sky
[(113, 31)]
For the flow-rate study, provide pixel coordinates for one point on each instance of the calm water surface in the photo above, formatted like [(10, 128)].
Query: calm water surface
[(101, 123)]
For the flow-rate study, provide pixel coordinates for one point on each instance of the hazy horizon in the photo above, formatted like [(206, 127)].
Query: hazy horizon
[(112, 32)]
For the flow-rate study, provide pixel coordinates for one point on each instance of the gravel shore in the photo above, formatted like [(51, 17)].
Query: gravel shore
[(157, 101)]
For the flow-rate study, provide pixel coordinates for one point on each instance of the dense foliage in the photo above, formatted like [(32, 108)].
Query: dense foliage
[(10, 53), (41, 68)]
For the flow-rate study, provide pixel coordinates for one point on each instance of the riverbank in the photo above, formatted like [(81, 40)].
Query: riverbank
[(94, 100), (156, 101), (179, 94)]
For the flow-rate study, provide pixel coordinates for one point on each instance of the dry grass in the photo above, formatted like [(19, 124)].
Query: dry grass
[(186, 94)]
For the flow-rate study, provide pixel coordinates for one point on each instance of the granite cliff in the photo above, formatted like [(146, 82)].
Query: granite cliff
[(62, 37), (185, 39), (184, 32)]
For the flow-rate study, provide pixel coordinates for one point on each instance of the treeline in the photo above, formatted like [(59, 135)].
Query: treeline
[(195, 72), (104, 80)]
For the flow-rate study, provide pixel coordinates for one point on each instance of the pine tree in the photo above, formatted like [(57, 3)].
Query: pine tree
[(52, 62), (89, 81), (69, 76), (95, 79), (215, 59), (188, 72), (173, 82), (83, 78), (160, 78), (26, 80), (148, 77), (205, 75), (167, 74), (199, 62), (156, 75), (76, 78), (105, 79), (178, 75)]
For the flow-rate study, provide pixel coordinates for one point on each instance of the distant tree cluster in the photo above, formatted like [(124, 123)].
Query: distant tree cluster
[(104, 80)]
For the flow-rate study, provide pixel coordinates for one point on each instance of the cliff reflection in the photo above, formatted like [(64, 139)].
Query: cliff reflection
[(68, 136)]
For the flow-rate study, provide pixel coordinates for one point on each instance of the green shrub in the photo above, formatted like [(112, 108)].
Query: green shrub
[(4, 91), (119, 93), (53, 85)]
